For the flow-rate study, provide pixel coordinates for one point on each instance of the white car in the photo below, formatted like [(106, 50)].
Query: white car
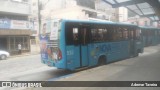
[(4, 54)]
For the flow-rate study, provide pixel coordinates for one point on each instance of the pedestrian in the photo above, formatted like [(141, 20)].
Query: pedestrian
[(19, 48)]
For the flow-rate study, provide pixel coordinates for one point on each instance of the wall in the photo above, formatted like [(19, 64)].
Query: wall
[(69, 13), (14, 7), (123, 14), (141, 21)]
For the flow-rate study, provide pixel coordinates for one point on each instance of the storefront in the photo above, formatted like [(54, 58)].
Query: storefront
[(11, 38), (13, 42), (12, 33)]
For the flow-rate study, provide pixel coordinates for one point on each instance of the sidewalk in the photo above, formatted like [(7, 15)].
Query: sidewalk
[(25, 54)]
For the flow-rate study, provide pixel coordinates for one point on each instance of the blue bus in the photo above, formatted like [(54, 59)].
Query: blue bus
[(74, 44), (150, 36)]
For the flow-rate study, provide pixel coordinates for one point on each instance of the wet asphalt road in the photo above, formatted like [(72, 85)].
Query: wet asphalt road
[(28, 68)]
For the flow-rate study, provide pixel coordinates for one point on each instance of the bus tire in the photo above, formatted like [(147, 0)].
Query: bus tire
[(102, 60), (137, 54), (138, 51)]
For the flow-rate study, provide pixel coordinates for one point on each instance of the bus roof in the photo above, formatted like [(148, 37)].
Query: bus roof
[(100, 22)]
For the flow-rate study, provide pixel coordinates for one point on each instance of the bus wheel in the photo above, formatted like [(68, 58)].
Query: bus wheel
[(102, 60), (137, 54), (138, 51)]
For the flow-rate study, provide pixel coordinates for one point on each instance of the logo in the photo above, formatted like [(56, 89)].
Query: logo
[(20, 84), (6, 84)]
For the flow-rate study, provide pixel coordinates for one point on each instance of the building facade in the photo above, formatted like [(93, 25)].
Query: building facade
[(33, 18), (72, 9), (143, 21), (14, 25), (114, 14)]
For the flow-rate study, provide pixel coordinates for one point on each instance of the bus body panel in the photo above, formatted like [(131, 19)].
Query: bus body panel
[(62, 63), (154, 40), (77, 56), (84, 55), (112, 51), (73, 57), (144, 41), (138, 47), (150, 36), (150, 40), (96, 50), (119, 50)]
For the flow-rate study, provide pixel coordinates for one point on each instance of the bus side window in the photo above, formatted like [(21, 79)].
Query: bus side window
[(110, 34), (99, 33), (120, 33), (114, 34), (131, 34), (93, 34), (69, 34), (102, 34), (84, 38), (125, 34), (105, 35), (75, 36), (137, 34)]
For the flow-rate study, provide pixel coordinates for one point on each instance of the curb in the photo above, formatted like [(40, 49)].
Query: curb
[(23, 55)]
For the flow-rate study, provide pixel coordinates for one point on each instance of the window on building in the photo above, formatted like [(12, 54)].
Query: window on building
[(14, 41), (33, 42), (25, 43)]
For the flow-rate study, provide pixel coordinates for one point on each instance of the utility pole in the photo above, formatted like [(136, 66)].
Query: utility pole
[(39, 16)]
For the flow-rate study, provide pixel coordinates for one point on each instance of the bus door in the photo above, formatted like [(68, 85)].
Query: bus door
[(80, 38), (84, 40), (132, 42)]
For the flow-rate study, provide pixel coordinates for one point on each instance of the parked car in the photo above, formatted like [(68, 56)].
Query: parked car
[(4, 54)]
